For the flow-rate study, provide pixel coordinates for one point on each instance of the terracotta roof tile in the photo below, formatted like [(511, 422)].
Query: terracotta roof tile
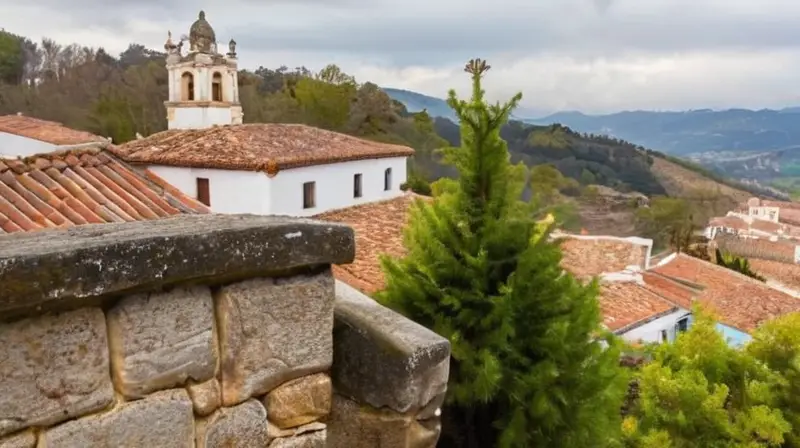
[(787, 274), (379, 229), (624, 303), (587, 257), (739, 301), (671, 290), (46, 131), (85, 186), (257, 147)]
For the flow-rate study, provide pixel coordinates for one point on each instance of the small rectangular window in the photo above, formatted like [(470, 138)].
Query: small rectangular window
[(683, 325), (309, 195), (664, 336), (357, 186), (203, 193), (387, 179)]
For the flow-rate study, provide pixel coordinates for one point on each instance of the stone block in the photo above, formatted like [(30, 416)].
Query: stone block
[(316, 439), (160, 340), (206, 397), (384, 359), (299, 401), (241, 426), (358, 426), (60, 268), (272, 331), (53, 368), (24, 439), (275, 433), (163, 419)]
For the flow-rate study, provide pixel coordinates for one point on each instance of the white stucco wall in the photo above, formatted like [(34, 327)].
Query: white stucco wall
[(256, 193), (229, 191), (651, 331), (334, 185), (14, 146), (202, 117)]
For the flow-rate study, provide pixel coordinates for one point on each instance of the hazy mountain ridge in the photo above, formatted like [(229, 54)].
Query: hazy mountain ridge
[(756, 146)]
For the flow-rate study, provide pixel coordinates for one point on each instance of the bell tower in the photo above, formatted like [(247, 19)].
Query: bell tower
[(203, 84)]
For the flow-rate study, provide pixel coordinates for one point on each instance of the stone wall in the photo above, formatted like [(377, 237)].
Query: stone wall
[(204, 331), (781, 251)]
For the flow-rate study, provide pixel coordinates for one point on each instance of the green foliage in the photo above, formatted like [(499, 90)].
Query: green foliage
[(701, 392), (669, 222), (738, 264), (528, 367), (777, 345), (11, 58)]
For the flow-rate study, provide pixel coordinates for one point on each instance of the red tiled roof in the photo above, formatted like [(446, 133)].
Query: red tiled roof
[(86, 186), (46, 131), (624, 303), (671, 290), (787, 274), (255, 147), (738, 300), (378, 229), (766, 226), (789, 216), (587, 257), (731, 222)]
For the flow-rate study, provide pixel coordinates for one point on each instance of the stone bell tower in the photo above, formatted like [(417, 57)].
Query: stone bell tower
[(203, 84)]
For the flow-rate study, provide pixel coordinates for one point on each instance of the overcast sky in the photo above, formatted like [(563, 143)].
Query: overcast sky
[(590, 55)]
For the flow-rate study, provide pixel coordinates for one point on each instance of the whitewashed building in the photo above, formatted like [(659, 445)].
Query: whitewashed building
[(266, 169), (23, 136)]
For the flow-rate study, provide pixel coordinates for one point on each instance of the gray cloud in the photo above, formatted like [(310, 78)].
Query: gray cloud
[(569, 53)]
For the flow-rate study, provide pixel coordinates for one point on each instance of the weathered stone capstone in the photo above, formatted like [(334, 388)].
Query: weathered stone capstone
[(53, 268), (383, 359)]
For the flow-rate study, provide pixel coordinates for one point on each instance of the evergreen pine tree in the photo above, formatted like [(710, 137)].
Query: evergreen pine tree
[(528, 368)]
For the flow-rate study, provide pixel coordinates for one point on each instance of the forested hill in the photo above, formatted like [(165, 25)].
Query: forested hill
[(120, 96)]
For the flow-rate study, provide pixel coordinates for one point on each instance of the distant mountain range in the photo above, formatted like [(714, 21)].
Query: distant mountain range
[(745, 144)]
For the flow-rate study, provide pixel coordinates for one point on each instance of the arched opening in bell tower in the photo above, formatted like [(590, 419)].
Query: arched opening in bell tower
[(187, 87), (216, 87)]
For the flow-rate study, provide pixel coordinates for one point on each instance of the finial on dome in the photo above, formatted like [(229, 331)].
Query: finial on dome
[(202, 15)]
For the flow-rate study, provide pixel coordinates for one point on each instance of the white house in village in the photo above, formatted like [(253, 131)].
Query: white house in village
[(22, 136), (267, 169)]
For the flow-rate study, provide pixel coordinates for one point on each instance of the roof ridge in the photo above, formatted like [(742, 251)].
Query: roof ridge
[(89, 148)]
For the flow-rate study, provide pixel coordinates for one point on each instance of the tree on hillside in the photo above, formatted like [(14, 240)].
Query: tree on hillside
[(701, 392), (669, 222), (528, 365)]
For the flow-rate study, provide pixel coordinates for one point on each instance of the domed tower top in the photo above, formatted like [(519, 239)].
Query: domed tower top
[(201, 36)]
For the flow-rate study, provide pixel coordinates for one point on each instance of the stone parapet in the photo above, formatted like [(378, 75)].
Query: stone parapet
[(389, 376), (189, 331)]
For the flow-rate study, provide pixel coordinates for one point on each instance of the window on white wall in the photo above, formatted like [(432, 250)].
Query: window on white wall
[(216, 87), (682, 325), (203, 191), (309, 195), (187, 87), (357, 186), (387, 179)]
